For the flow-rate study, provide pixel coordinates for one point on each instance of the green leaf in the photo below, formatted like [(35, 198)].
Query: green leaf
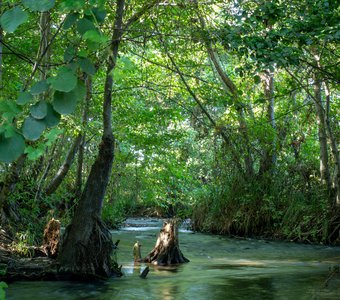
[(70, 20), (11, 148), (95, 36), (24, 98), (65, 103), (52, 135), (84, 25), (72, 4), (33, 128), (99, 13), (257, 79), (39, 87), (39, 110), (87, 66), (52, 118), (13, 18), (40, 5), (65, 81), (35, 153), (69, 54), (9, 109)]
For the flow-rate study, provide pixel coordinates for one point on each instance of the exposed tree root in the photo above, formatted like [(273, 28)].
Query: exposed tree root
[(91, 259)]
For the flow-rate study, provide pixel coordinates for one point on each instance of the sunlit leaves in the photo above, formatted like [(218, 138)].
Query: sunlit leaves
[(13, 18), (11, 147), (33, 128), (40, 5)]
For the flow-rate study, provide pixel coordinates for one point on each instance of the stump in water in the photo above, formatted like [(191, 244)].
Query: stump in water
[(51, 238), (166, 251)]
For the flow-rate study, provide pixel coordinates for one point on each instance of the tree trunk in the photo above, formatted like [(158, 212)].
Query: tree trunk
[(166, 251), (87, 246), (64, 168), (230, 87), (79, 179), (268, 160), (334, 150), (51, 238), (322, 134)]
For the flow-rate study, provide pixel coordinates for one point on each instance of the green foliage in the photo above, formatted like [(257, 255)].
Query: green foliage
[(39, 87), (33, 128), (39, 110), (65, 81), (11, 147), (3, 286), (24, 98), (41, 5), (66, 102), (13, 18)]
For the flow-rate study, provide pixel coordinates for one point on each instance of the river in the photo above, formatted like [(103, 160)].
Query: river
[(219, 268)]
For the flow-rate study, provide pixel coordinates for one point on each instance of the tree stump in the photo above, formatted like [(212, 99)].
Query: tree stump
[(51, 238), (137, 256), (166, 251)]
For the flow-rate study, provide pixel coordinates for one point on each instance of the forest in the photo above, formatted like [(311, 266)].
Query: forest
[(221, 113)]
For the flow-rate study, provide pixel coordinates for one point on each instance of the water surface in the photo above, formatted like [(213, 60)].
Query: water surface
[(219, 268)]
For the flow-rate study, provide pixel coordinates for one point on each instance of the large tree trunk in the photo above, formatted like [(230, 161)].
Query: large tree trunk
[(87, 246), (166, 251)]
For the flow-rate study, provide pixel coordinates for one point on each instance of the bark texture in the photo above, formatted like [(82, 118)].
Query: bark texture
[(51, 238), (166, 251), (65, 167), (87, 246)]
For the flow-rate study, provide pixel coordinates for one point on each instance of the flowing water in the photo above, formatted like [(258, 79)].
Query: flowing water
[(219, 268)]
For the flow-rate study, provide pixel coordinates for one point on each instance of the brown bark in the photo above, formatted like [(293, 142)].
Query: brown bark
[(79, 179), (166, 251), (51, 238), (64, 168), (87, 246)]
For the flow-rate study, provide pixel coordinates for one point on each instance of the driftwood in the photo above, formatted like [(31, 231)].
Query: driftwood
[(166, 251)]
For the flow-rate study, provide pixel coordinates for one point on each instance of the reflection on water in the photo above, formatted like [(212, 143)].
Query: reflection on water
[(219, 268)]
